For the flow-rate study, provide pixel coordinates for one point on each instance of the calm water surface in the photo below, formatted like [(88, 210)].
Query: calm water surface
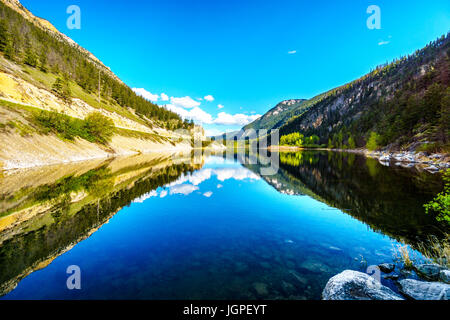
[(155, 228)]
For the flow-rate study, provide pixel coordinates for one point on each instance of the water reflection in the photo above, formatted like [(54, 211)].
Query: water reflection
[(217, 230), (44, 212)]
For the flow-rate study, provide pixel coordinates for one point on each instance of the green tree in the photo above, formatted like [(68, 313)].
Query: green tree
[(351, 143), (43, 61), (372, 143), (330, 144), (62, 89), (30, 57), (4, 35), (100, 127)]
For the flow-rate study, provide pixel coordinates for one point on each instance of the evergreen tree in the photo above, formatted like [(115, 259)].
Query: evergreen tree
[(30, 57), (43, 61), (4, 35)]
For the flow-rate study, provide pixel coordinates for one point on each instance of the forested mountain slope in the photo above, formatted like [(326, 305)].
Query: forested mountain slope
[(401, 105), (53, 92)]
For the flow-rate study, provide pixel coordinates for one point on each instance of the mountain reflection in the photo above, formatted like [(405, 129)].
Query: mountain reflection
[(389, 199), (45, 212)]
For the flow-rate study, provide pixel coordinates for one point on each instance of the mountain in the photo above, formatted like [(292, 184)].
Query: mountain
[(401, 105), (275, 117), (59, 103)]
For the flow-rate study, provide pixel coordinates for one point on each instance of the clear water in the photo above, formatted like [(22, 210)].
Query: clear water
[(221, 231)]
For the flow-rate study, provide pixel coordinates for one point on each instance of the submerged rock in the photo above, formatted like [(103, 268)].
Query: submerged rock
[(386, 267), (429, 271), (353, 285), (421, 290)]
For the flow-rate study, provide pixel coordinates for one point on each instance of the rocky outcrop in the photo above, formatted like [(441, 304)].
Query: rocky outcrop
[(353, 285), (420, 290)]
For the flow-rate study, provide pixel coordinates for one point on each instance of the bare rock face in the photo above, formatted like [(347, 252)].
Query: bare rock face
[(420, 290), (353, 285)]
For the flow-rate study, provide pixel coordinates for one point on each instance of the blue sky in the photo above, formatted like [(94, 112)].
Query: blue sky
[(246, 55)]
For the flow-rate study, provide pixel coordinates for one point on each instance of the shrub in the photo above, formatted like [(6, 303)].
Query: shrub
[(100, 127), (441, 203), (95, 128)]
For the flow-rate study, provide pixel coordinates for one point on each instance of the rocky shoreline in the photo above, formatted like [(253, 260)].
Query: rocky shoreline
[(433, 163), (421, 282), (430, 162)]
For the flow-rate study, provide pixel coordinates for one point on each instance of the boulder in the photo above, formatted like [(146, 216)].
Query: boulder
[(386, 267), (444, 276), (421, 290), (429, 271), (353, 285)]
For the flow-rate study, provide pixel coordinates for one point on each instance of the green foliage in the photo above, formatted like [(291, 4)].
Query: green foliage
[(297, 139), (95, 128), (406, 105), (4, 35), (440, 205), (99, 127), (294, 139), (372, 143), (22, 41), (62, 89), (30, 58), (330, 144), (351, 143)]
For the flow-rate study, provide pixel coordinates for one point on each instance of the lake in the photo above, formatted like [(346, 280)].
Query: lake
[(168, 227)]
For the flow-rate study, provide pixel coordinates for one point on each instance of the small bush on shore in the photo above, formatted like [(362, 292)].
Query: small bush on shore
[(440, 205)]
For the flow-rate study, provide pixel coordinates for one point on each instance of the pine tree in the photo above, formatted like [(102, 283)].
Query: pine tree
[(43, 61), (30, 57), (4, 35)]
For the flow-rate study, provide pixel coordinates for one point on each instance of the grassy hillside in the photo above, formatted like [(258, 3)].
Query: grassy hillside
[(53, 62)]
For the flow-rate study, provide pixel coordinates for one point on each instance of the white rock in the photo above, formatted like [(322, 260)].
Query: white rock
[(420, 290), (353, 285)]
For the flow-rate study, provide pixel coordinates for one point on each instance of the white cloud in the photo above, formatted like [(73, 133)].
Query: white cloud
[(146, 94), (184, 189), (235, 173), (181, 106), (292, 52), (208, 194), (184, 102), (195, 114), (240, 119), (213, 132), (220, 106), (219, 186), (164, 97), (146, 196), (209, 98), (163, 194), (383, 43)]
